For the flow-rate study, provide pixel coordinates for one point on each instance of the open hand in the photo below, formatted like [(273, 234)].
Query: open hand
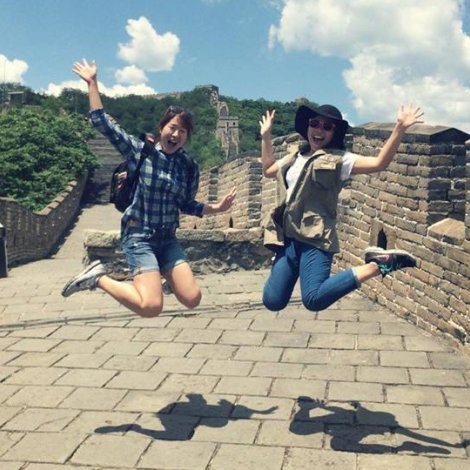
[(409, 116), (85, 70), (266, 122)]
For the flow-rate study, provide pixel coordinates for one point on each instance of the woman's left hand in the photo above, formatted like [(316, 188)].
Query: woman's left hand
[(409, 116), (226, 202)]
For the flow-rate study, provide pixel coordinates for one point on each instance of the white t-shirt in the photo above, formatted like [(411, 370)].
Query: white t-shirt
[(294, 171)]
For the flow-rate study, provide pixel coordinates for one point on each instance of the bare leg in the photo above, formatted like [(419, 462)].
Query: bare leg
[(144, 296), (181, 279)]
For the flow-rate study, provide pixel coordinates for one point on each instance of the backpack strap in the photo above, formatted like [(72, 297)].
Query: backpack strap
[(189, 162), (149, 145)]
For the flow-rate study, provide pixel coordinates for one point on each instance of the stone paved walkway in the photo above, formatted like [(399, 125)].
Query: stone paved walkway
[(87, 385)]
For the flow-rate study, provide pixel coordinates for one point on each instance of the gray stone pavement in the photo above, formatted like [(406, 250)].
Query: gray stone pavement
[(85, 384)]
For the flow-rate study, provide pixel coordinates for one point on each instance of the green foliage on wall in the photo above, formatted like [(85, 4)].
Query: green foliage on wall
[(40, 152)]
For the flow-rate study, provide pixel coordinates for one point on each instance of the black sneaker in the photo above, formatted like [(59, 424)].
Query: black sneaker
[(389, 260)]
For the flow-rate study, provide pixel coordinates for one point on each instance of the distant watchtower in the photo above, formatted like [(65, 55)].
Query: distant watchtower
[(227, 131)]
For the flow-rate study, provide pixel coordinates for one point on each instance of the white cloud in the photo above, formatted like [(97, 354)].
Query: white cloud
[(131, 75), (121, 90), (411, 50), (113, 91), (147, 49), (12, 70), (56, 89)]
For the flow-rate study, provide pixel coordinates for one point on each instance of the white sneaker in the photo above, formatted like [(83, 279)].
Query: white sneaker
[(86, 280)]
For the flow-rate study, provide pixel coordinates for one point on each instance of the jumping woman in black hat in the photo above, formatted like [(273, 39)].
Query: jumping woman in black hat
[(302, 228)]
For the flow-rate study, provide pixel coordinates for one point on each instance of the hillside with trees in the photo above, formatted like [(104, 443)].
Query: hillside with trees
[(249, 113), (40, 152)]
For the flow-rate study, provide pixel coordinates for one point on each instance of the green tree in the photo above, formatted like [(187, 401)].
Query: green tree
[(40, 152)]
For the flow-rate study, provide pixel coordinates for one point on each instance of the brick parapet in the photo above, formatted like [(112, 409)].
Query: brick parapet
[(207, 192), (429, 167), (34, 235), (244, 175), (418, 204)]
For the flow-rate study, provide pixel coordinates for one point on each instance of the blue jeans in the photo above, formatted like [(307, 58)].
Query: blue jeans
[(313, 266)]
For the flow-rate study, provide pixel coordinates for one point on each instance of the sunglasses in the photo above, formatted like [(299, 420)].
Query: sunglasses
[(327, 125)]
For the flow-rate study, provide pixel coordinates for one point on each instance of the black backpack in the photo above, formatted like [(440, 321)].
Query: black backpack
[(123, 187)]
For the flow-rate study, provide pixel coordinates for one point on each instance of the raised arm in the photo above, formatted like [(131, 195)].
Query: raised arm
[(407, 117), (270, 166), (88, 72)]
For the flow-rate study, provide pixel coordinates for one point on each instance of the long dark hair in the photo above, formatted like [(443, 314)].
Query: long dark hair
[(186, 117)]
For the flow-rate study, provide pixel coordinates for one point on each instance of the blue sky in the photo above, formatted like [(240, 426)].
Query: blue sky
[(364, 56)]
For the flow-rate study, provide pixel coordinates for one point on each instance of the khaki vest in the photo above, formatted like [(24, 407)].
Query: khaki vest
[(310, 214)]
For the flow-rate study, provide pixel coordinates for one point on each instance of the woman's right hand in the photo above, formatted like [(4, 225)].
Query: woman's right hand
[(85, 70), (266, 123)]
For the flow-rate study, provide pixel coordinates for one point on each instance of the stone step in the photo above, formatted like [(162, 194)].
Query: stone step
[(108, 157)]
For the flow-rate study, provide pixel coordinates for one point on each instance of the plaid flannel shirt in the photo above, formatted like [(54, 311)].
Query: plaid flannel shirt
[(167, 183)]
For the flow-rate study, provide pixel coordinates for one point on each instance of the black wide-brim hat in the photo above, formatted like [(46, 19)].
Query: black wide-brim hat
[(304, 113)]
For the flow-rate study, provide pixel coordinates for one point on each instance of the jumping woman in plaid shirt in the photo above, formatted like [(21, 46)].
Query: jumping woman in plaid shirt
[(168, 183)]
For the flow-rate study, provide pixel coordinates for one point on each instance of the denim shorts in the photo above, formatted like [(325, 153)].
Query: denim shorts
[(147, 251)]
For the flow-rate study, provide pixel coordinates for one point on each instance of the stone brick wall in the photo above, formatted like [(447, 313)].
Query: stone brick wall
[(207, 192), (244, 174), (34, 235), (207, 251), (418, 204)]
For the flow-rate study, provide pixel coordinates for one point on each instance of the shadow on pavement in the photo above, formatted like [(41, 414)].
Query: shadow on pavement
[(180, 419), (349, 427)]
